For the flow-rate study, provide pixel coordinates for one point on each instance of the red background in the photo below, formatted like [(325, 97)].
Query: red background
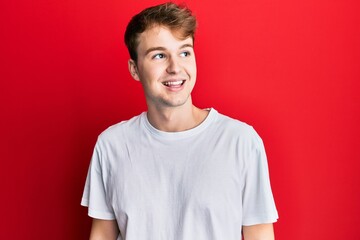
[(289, 68)]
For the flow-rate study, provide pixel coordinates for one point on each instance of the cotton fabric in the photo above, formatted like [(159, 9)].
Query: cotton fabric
[(201, 184)]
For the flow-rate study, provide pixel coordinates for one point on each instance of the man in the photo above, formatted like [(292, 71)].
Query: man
[(176, 172)]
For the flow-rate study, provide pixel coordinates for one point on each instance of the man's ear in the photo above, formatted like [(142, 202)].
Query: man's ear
[(133, 69)]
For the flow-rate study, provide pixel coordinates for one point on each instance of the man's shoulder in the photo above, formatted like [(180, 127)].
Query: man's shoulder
[(233, 124), (234, 128), (119, 129)]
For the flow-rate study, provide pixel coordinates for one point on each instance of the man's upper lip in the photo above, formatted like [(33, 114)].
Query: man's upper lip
[(173, 83), (174, 80)]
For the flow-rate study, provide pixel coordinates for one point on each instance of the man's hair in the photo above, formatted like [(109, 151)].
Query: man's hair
[(175, 17)]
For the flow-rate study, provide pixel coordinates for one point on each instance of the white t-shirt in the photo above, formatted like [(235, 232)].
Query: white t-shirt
[(201, 184)]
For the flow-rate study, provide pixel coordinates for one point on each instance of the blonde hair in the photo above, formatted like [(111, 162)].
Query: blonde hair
[(175, 17)]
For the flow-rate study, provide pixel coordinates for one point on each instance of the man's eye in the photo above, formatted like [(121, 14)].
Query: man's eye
[(158, 56), (185, 54)]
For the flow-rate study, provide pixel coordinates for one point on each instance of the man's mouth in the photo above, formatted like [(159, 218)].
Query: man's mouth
[(174, 83)]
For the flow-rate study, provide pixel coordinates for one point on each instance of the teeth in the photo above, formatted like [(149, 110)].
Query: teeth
[(173, 83)]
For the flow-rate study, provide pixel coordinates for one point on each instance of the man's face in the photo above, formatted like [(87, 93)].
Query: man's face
[(166, 67)]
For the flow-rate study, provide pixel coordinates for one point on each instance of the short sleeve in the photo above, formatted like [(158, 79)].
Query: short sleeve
[(258, 202), (94, 195)]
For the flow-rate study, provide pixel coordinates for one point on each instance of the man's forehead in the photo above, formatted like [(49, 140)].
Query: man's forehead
[(162, 35), (179, 32)]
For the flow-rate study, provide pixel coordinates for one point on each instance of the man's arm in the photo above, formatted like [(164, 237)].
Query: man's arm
[(259, 232), (104, 230)]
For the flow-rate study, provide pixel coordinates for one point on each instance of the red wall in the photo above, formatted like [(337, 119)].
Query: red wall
[(289, 68)]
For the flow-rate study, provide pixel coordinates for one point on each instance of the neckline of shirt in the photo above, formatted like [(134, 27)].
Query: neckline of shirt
[(182, 134)]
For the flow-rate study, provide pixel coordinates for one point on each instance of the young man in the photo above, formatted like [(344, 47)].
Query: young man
[(176, 172)]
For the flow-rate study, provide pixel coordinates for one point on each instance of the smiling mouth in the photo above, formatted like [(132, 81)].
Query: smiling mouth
[(173, 83)]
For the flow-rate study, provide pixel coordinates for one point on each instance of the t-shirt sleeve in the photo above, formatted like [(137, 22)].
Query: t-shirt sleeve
[(258, 202), (94, 195)]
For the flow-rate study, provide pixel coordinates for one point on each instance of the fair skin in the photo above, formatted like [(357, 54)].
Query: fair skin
[(166, 68), (104, 229)]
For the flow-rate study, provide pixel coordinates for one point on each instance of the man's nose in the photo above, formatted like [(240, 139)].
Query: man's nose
[(173, 66)]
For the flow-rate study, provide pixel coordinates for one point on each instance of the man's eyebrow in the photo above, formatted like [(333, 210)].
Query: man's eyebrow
[(187, 45), (154, 49), (163, 49)]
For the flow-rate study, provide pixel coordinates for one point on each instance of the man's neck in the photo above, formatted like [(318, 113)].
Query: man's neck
[(176, 119)]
